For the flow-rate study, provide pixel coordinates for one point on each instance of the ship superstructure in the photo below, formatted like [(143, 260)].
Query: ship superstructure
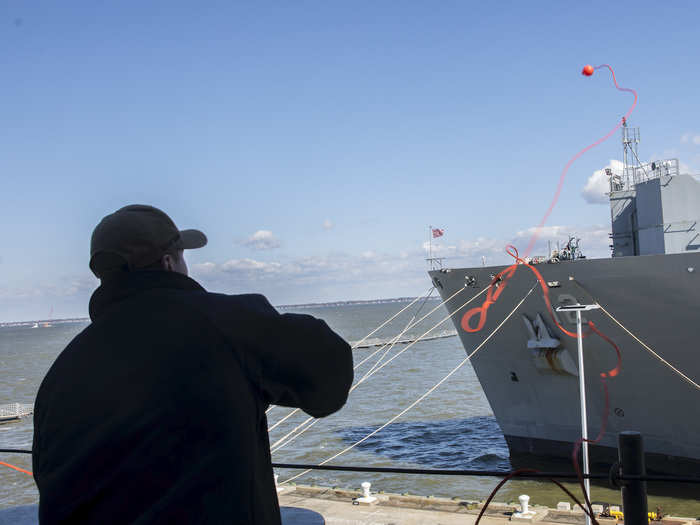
[(654, 208), (651, 289)]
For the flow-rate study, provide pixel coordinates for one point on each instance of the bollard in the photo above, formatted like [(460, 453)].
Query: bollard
[(524, 499), (277, 487), (634, 493), (367, 498), (525, 514)]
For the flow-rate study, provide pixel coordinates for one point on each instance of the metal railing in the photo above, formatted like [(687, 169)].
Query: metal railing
[(633, 175), (629, 474)]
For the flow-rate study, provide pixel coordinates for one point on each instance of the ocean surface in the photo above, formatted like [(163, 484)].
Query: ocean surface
[(452, 428)]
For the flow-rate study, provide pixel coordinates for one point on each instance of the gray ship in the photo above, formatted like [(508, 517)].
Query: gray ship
[(651, 286)]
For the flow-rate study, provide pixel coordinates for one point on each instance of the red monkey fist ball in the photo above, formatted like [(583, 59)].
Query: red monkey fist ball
[(587, 70)]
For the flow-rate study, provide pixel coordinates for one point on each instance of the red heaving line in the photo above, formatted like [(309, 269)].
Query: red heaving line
[(510, 271), (505, 275)]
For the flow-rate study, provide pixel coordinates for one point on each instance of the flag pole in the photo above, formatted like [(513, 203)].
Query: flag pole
[(430, 243)]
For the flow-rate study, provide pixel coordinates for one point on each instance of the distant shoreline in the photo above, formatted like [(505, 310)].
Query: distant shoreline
[(345, 303), (41, 322)]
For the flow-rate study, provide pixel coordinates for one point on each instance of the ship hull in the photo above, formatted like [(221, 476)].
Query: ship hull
[(534, 393)]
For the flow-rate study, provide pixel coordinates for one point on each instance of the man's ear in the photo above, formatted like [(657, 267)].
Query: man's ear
[(168, 263)]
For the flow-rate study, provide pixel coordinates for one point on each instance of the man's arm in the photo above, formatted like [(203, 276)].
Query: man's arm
[(305, 364), (296, 360)]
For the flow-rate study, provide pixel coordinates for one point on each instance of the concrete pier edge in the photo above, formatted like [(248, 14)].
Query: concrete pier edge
[(304, 496)]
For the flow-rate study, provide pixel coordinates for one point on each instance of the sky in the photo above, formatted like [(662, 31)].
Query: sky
[(315, 142)]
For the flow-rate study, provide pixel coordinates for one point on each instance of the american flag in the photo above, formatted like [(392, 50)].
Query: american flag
[(437, 232)]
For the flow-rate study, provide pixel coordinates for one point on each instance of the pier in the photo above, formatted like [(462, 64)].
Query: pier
[(311, 505), (403, 341), (343, 506)]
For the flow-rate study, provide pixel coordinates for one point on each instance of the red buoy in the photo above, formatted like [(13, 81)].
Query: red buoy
[(587, 70)]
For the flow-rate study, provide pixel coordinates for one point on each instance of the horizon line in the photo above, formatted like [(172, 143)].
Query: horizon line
[(65, 320)]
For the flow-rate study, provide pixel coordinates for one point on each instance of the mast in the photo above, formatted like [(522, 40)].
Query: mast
[(433, 262), (630, 156)]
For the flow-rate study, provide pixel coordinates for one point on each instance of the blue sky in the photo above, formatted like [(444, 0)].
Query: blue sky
[(314, 142)]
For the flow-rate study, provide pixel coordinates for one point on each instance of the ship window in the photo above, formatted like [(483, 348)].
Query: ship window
[(514, 377)]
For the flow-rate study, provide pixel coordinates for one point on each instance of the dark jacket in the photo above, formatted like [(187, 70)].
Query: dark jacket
[(155, 413)]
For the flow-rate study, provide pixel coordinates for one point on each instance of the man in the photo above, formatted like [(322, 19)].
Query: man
[(155, 413)]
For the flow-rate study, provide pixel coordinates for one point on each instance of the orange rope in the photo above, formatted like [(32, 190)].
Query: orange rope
[(499, 283), (19, 469), (506, 274)]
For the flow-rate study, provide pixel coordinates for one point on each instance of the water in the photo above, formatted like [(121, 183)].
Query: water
[(452, 428), (25, 356)]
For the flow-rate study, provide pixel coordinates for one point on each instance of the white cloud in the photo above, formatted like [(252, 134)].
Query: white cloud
[(262, 240), (250, 265), (544, 231), (595, 240), (689, 137), (327, 224), (594, 192), (309, 274), (204, 268)]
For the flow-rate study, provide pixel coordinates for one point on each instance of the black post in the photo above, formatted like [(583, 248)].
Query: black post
[(634, 493)]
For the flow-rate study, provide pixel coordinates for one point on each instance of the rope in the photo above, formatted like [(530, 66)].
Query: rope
[(642, 343), (368, 357), (392, 318), (391, 346), (520, 472), (415, 324), (18, 469), (358, 343), (537, 231), (279, 443), (428, 392), (393, 342), (419, 338), (499, 283), (285, 418), (408, 325)]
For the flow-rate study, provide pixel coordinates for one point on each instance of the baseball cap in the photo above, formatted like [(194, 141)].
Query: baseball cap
[(137, 236)]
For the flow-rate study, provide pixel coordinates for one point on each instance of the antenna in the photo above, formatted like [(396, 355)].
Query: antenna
[(630, 158)]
